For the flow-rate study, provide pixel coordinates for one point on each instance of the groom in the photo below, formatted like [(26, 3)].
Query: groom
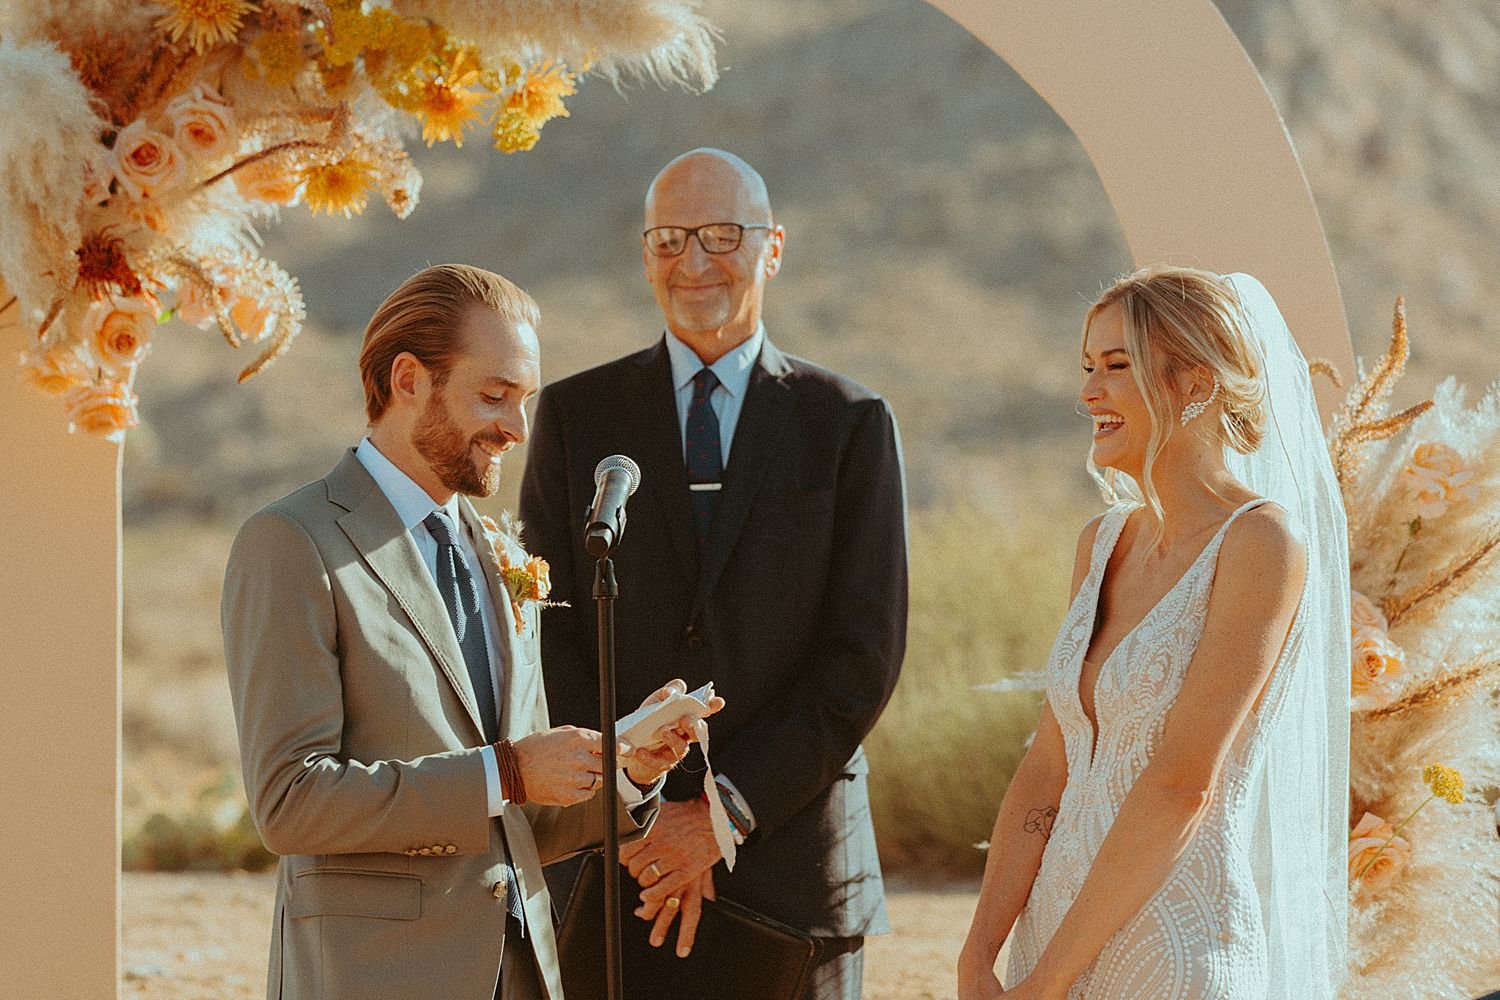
[(393, 728)]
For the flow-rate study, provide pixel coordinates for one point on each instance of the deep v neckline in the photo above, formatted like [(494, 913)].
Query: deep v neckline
[(1093, 619)]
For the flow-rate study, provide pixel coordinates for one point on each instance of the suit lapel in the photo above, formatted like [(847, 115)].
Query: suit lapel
[(374, 529), (513, 687), (663, 477), (757, 438)]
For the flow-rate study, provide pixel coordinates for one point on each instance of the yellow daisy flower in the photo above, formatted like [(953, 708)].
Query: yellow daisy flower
[(205, 23), (532, 99), (447, 101), (342, 186)]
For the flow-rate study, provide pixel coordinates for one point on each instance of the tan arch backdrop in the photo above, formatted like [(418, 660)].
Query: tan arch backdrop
[(1195, 161)]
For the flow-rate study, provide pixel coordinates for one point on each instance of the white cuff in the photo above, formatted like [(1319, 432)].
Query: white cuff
[(632, 796), (494, 795)]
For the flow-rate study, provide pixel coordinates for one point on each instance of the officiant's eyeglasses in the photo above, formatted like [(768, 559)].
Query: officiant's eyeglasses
[(716, 237)]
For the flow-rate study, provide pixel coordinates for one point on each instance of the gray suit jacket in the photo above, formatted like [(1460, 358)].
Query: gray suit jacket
[(359, 738)]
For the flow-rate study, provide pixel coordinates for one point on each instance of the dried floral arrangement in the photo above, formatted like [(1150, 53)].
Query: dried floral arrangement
[(1422, 490), (141, 142)]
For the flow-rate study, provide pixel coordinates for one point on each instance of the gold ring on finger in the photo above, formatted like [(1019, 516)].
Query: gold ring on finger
[(654, 872), (672, 902)]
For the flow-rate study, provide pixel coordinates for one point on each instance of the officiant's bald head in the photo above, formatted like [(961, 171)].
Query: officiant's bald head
[(709, 247)]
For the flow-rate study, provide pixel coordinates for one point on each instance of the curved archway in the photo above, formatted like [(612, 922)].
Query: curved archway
[(1190, 149), (1192, 155)]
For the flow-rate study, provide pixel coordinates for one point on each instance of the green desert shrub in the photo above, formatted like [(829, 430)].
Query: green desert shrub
[(986, 598), (214, 833)]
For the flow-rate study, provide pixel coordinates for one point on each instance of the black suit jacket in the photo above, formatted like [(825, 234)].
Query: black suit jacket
[(796, 608)]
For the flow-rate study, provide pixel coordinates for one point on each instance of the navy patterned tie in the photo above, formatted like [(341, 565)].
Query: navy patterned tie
[(461, 595), (705, 465)]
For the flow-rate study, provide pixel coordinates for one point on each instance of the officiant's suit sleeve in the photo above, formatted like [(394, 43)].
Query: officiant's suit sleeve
[(307, 792), (800, 742)]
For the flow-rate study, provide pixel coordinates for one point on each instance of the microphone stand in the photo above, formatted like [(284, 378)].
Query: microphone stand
[(606, 590)]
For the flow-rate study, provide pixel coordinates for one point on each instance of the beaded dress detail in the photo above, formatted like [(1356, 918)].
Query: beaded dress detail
[(1200, 937)]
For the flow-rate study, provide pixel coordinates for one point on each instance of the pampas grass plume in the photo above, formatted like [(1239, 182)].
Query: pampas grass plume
[(48, 131)]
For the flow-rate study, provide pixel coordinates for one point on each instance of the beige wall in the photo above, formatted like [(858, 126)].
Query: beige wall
[(60, 714), (1190, 149)]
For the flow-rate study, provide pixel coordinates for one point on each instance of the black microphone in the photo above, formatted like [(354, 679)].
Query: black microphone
[(615, 479)]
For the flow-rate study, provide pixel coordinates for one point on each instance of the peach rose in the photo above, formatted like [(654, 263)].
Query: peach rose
[(1365, 843), (203, 123), (1377, 670), (264, 180), (198, 306), (56, 370), (146, 161), (252, 317), (541, 573), (106, 409), (1435, 479), (119, 329)]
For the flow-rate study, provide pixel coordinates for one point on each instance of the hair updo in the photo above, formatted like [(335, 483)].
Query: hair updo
[(1177, 319)]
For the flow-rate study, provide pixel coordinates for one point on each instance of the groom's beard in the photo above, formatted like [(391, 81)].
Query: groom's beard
[(438, 439)]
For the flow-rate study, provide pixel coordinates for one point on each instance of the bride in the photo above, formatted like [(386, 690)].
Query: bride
[(1177, 829)]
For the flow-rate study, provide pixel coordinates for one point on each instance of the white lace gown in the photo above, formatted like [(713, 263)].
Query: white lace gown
[(1201, 936)]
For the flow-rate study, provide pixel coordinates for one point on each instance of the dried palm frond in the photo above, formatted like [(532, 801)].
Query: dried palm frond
[(1434, 692), (1441, 584), (1362, 417), (1326, 368)]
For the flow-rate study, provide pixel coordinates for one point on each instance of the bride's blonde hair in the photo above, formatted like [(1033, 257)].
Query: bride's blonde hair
[(1177, 319)]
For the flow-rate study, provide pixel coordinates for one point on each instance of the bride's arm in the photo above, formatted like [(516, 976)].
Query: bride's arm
[(1021, 829), (1256, 589)]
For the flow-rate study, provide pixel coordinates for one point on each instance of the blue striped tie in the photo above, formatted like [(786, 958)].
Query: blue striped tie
[(705, 465)]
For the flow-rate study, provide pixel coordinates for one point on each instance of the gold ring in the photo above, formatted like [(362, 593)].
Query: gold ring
[(673, 902), (654, 872)]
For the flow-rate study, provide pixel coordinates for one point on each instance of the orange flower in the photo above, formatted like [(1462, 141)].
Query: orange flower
[(56, 370), (265, 180), (106, 409), (203, 123), (448, 101), (1378, 670), (205, 23), (1368, 846), (342, 186), (252, 317), (119, 329), (1436, 479), (103, 266), (541, 576), (146, 162)]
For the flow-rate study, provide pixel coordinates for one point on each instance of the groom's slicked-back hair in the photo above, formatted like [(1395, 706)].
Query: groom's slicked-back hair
[(424, 317)]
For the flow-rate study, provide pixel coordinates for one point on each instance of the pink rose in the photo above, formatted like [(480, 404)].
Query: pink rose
[(1435, 479), (203, 124), (1366, 613), (107, 409), (1365, 843), (119, 329), (146, 161)]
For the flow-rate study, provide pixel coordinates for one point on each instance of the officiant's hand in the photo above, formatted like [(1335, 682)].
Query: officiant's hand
[(679, 849), (690, 906), (644, 766)]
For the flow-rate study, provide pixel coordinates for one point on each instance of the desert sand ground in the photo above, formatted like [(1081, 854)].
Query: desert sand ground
[(204, 937)]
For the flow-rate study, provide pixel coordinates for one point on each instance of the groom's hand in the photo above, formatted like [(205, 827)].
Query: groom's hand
[(560, 767)]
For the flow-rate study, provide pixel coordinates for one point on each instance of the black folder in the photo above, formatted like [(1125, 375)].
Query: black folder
[(739, 954)]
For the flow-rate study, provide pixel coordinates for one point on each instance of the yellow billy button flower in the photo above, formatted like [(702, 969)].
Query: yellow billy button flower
[(1445, 782)]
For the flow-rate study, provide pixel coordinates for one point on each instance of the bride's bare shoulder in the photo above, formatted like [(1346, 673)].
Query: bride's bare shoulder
[(1085, 552), (1263, 544)]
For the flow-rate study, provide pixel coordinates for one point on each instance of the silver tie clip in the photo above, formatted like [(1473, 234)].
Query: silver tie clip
[(705, 487)]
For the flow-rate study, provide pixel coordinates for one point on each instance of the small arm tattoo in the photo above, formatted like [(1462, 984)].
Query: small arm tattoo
[(1040, 821)]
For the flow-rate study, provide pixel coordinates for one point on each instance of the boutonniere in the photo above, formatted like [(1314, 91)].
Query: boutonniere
[(526, 582)]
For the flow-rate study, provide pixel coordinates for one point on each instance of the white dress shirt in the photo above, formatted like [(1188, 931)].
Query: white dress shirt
[(413, 504), (733, 371)]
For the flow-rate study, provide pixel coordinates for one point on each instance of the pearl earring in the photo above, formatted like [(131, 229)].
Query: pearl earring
[(1194, 410)]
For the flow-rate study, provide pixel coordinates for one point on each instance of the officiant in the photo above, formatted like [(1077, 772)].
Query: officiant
[(765, 552)]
